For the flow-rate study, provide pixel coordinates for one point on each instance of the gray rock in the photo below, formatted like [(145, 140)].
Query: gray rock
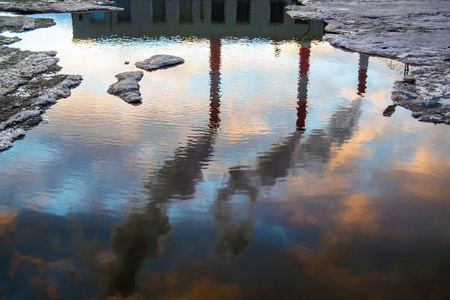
[(414, 32), (28, 80), (127, 87), (8, 40), (51, 6), (23, 23), (159, 61)]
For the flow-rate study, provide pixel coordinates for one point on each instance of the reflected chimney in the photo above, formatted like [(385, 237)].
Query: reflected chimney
[(214, 76), (302, 95), (362, 73)]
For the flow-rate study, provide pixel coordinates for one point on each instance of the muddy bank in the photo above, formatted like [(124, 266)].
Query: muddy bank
[(413, 32)]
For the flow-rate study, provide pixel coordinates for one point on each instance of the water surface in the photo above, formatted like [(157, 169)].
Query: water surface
[(261, 168)]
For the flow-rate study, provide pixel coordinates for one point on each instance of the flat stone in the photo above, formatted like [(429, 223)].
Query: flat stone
[(51, 6), (28, 80), (414, 32), (159, 61), (23, 23), (127, 87)]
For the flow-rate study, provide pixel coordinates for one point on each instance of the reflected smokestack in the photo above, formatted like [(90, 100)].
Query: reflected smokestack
[(179, 175), (302, 95), (362, 73), (214, 77), (137, 238)]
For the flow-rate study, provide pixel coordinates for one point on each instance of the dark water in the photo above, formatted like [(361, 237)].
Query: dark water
[(262, 168)]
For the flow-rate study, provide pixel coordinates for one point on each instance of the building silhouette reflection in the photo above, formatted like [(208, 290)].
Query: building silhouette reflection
[(199, 18), (177, 177)]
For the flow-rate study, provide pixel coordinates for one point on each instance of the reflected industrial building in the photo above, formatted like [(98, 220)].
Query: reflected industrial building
[(197, 18)]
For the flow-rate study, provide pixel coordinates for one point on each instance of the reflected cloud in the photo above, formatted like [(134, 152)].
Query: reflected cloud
[(6, 221), (173, 285)]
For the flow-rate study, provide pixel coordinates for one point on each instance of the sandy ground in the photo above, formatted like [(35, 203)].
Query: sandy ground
[(414, 32)]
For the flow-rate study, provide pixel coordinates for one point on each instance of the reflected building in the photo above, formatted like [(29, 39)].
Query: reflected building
[(197, 18)]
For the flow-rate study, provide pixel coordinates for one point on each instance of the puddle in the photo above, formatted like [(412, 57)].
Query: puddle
[(261, 168)]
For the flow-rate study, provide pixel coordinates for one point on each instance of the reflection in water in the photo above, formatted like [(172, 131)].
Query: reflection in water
[(185, 11), (362, 73), (137, 238), (217, 11), (277, 11), (243, 11), (298, 179), (179, 175), (273, 165), (124, 16), (214, 77), (187, 18), (303, 85), (159, 11)]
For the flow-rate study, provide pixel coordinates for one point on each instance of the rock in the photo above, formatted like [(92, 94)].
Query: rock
[(28, 80), (60, 89), (28, 86), (8, 40), (159, 61), (414, 32), (46, 6), (127, 87), (409, 79), (8, 136)]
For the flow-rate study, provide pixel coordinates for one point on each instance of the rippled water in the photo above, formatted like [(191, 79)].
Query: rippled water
[(262, 168)]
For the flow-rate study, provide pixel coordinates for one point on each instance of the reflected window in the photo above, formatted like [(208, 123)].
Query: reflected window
[(243, 11), (301, 22), (217, 11), (159, 11), (185, 11), (202, 11), (277, 11), (96, 16), (125, 14)]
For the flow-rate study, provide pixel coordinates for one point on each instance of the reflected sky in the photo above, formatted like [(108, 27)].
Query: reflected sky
[(261, 168)]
